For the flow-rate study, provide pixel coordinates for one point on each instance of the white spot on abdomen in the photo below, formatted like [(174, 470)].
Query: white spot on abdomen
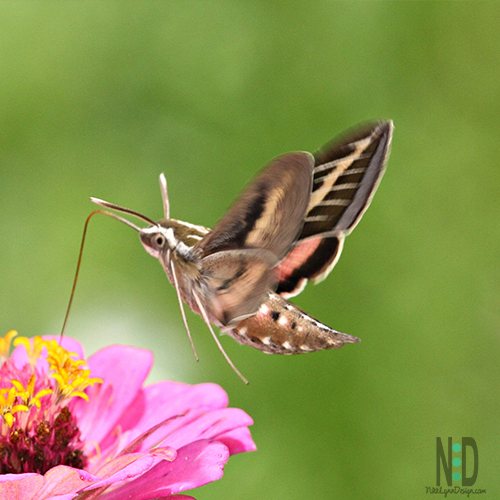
[(283, 320), (264, 309)]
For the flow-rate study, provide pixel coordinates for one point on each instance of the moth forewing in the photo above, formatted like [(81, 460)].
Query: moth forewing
[(269, 214)]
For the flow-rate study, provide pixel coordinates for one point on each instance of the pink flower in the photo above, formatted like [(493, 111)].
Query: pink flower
[(69, 436)]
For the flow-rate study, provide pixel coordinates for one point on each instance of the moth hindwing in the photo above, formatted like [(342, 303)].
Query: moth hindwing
[(287, 227)]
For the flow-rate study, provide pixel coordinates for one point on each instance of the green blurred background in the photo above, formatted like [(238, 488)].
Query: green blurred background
[(98, 98)]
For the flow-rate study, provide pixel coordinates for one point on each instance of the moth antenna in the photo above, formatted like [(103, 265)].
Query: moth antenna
[(82, 244), (112, 206), (164, 195), (205, 318), (181, 305)]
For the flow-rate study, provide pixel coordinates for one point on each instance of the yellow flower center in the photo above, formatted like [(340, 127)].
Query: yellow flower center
[(37, 428), (72, 375)]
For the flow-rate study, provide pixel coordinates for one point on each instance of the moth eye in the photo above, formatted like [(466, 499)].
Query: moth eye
[(159, 240)]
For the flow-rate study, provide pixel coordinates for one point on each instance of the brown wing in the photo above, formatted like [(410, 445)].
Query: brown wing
[(347, 172), (234, 283), (269, 214)]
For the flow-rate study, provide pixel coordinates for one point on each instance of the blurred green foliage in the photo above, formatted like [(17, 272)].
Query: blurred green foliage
[(98, 98)]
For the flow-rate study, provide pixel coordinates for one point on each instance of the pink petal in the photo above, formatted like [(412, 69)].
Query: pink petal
[(137, 443), (196, 464), (60, 480), (20, 486), (238, 441), (199, 425), (123, 370), (5, 478), (68, 496), (123, 469), (166, 399), (63, 480), (175, 497), (19, 356)]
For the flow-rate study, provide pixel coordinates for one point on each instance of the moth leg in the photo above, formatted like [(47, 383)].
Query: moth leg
[(205, 318), (176, 286)]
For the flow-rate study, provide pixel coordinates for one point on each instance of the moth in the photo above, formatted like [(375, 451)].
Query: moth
[(286, 228)]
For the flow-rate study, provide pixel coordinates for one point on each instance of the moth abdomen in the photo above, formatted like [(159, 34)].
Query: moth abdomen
[(279, 327)]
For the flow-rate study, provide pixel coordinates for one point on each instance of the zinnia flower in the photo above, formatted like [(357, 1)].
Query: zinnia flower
[(68, 435)]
